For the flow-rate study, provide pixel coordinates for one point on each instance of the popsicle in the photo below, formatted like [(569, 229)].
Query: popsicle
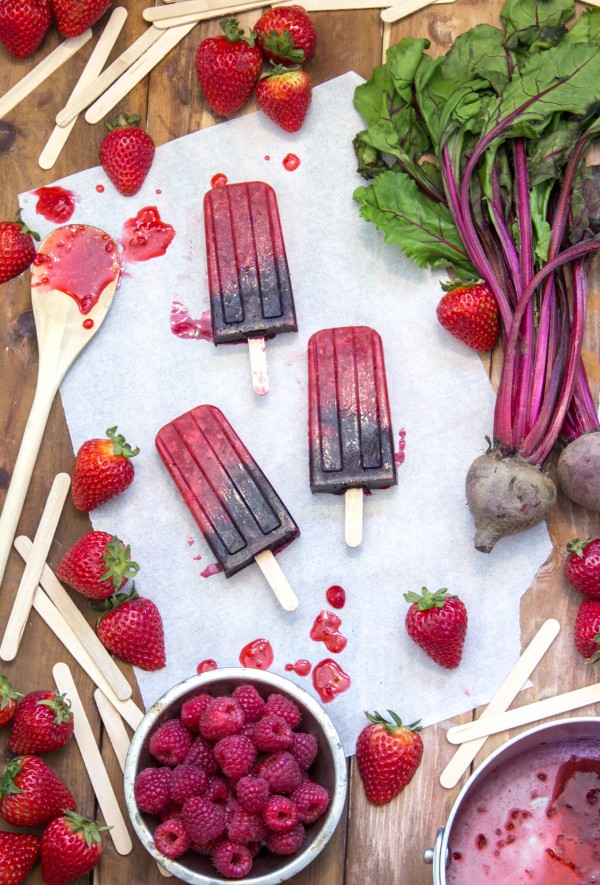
[(237, 509), (248, 276), (351, 446)]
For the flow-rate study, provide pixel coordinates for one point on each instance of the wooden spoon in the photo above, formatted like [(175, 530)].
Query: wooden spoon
[(73, 280)]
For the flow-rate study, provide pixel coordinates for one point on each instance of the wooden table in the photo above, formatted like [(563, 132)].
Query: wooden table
[(372, 844)]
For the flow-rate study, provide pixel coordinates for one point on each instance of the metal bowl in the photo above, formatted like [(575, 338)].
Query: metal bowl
[(329, 770)]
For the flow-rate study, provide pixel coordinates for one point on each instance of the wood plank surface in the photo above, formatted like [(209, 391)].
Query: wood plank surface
[(372, 844)]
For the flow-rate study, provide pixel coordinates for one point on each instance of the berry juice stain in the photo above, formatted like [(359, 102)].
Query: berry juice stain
[(267, 157), (257, 654), (55, 204), (213, 569), (326, 630), (206, 666), (300, 668), (185, 326), (399, 453), (146, 236), (158, 191), (218, 180), (336, 596), (290, 162), (329, 680), (88, 324), (100, 188)]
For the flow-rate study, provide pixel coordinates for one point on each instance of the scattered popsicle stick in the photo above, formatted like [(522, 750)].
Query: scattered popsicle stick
[(92, 70), (258, 365), (157, 14), (353, 505), (93, 762), (33, 568), (123, 86), (504, 697), (406, 7), (277, 580), (336, 5), (78, 624)]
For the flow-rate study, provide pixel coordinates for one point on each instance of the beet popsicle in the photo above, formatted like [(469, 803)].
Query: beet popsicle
[(351, 446), (249, 282), (236, 507)]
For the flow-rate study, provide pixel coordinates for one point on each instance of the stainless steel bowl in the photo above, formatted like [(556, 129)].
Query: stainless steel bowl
[(329, 770)]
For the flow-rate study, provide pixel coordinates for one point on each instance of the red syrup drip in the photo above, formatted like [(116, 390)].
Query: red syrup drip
[(158, 191), (257, 654), (213, 569), (55, 204), (399, 453), (290, 162), (336, 596), (326, 630), (100, 188), (80, 261), (146, 236), (267, 157), (88, 324), (300, 668), (185, 326), (329, 680), (218, 180), (206, 665)]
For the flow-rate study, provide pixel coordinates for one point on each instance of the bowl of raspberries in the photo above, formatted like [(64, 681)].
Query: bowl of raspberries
[(235, 774)]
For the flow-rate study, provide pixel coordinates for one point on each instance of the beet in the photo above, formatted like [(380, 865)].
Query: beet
[(579, 470)]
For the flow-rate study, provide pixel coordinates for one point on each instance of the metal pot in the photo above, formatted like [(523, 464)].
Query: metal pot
[(559, 730)]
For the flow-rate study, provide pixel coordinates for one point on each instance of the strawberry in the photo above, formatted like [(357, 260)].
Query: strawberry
[(17, 249), (23, 25), (437, 622), (582, 566), (228, 68), (44, 722), (97, 565), (132, 629), (587, 630), (284, 94), (8, 701), (286, 34), (470, 313), (18, 854), (388, 755), (31, 793), (126, 154), (73, 17), (71, 846), (102, 469)]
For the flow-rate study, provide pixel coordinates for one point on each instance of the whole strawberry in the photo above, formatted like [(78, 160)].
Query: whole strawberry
[(31, 792), (388, 754), (43, 723), (284, 95), (228, 68), (132, 629), (17, 249), (437, 622), (18, 854), (582, 566), (73, 17), (587, 630), (126, 154), (286, 34), (8, 701), (71, 846), (102, 469), (97, 565), (470, 313), (23, 25)]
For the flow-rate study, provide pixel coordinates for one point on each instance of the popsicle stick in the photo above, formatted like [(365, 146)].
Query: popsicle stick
[(96, 62), (336, 5), (258, 365), (404, 8), (78, 624), (353, 506), (156, 14), (33, 568), (504, 697), (123, 86), (562, 703), (93, 762), (278, 582)]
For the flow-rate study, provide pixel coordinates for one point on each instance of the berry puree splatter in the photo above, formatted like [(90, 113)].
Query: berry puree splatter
[(213, 569), (218, 180), (300, 668), (146, 236), (336, 596), (329, 680), (185, 326), (326, 630), (257, 654), (399, 453), (290, 162), (206, 665), (55, 204)]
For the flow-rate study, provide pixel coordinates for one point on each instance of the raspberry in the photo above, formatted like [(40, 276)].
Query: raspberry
[(201, 753), (222, 717), (279, 705), (172, 809), (250, 701), (203, 819), (192, 709), (312, 801), (280, 814), (252, 792), (285, 843), (245, 827), (171, 742), (281, 772), (217, 791), (187, 781), (272, 733), (151, 789), (171, 838), (233, 861), (235, 754), (304, 749)]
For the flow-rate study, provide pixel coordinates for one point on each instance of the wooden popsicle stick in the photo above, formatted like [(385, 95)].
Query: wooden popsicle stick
[(277, 581), (93, 762), (562, 703), (353, 520), (123, 86), (78, 624), (91, 71), (336, 5), (258, 365), (504, 697), (404, 8), (195, 7), (42, 71), (33, 568)]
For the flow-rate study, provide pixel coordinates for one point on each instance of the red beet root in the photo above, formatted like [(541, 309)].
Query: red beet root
[(579, 470)]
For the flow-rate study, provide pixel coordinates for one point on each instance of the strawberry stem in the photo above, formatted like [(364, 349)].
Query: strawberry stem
[(235, 34), (113, 602), (578, 545), (122, 121), (61, 706), (120, 447), (7, 692), (91, 829), (395, 725), (427, 600), (118, 563)]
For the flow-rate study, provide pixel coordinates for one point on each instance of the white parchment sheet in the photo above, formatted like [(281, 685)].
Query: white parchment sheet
[(139, 375)]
